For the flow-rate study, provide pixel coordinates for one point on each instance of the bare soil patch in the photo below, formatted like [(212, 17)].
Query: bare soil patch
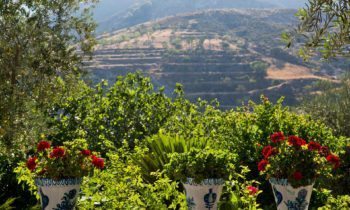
[(292, 72)]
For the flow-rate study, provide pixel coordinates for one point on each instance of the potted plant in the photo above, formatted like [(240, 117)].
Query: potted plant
[(292, 165), (203, 174), (58, 172)]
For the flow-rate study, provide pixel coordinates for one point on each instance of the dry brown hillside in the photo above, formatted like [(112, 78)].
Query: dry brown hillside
[(231, 55)]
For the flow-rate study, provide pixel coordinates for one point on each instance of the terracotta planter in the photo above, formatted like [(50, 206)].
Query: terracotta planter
[(204, 195), (288, 197), (58, 194)]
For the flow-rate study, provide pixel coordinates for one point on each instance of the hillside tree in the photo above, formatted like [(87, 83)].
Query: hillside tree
[(324, 28), (39, 44)]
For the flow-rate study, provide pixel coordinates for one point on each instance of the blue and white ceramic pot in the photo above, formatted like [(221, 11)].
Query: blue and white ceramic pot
[(58, 194), (204, 195), (288, 197)]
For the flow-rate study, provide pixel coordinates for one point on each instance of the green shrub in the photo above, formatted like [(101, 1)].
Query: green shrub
[(131, 109), (160, 147), (236, 194), (332, 105), (338, 202), (200, 164), (121, 186)]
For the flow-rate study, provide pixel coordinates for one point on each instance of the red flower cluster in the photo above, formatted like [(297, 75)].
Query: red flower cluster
[(335, 160), (252, 190), (86, 152), (268, 151), (262, 165), (57, 152), (314, 146), (297, 175), (31, 163), (43, 145), (98, 162), (43, 163), (277, 137), (296, 141)]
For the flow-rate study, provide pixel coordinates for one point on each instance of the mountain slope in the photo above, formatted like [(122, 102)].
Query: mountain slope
[(128, 13), (232, 55)]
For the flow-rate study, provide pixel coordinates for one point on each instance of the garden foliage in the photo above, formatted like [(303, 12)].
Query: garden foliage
[(200, 164), (137, 128)]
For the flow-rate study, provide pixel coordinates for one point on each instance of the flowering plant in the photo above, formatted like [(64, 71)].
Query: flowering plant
[(72, 160), (292, 158)]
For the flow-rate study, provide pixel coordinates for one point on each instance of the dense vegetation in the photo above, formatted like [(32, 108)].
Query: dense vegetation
[(137, 127)]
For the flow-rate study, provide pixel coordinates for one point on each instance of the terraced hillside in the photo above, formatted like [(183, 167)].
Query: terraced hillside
[(231, 55)]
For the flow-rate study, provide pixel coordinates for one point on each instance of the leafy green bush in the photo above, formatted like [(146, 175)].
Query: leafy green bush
[(200, 164), (121, 186), (237, 194), (338, 202), (160, 147), (332, 105), (128, 110)]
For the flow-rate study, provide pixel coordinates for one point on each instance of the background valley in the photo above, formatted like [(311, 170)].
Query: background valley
[(214, 51)]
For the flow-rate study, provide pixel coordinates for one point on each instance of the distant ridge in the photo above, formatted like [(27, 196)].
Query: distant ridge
[(132, 12), (283, 16)]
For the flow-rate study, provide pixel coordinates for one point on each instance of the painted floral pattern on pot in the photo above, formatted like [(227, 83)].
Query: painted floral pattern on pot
[(58, 194), (210, 199), (289, 198), (204, 195)]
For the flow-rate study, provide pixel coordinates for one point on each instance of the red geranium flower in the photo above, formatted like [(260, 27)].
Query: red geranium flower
[(335, 160), (277, 137), (57, 152), (268, 151), (324, 151), (31, 163), (86, 152), (296, 141), (262, 165), (314, 146), (297, 175), (42, 172), (252, 190), (98, 162), (43, 145)]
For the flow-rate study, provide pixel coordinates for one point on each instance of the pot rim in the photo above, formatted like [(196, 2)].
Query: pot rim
[(210, 181), (284, 182), (46, 182)]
